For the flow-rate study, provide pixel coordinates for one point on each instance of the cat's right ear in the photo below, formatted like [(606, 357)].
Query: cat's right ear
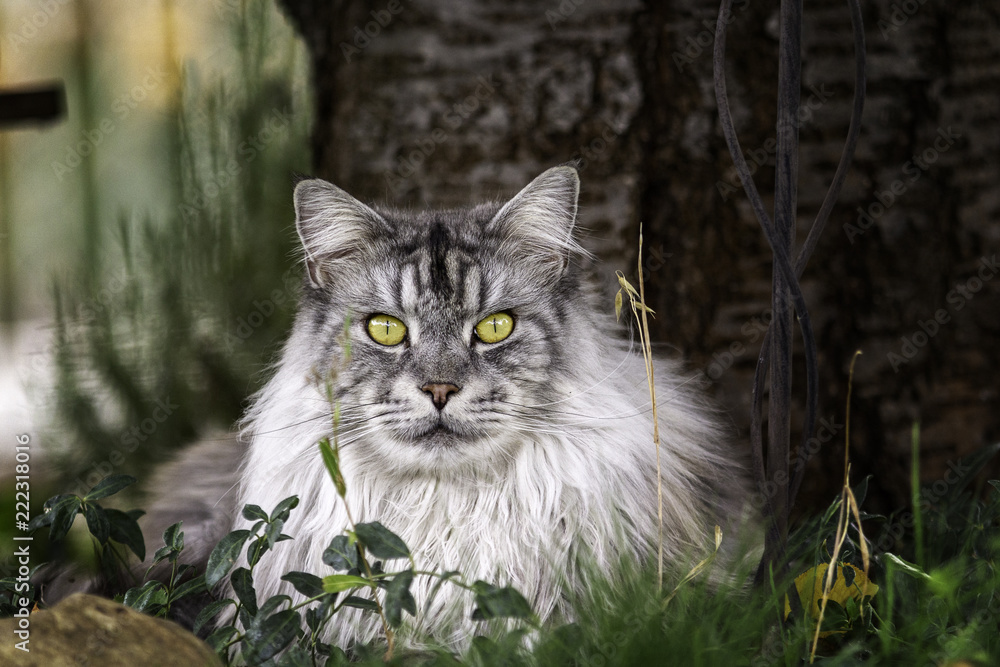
[(332, 225)]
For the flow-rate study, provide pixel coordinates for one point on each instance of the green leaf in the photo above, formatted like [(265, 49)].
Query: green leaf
[(332, 464), (224, 556), (381, 542), (173, 536), (97, 522), (308, 584), (109, 486), (124, 529), (284, 508), (271, 605), (341, 554), (251, 512), (263, 642), (360, 603), (848, 573), (335, 583), (210, 611), (296, 656), (147, 598), (906, 566), (189, 587), (63, 513), (242, 582), (399, 599), (493, 602), (220, 637), (273, 531)]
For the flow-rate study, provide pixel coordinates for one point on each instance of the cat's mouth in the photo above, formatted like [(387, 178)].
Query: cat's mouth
[(441, 433)]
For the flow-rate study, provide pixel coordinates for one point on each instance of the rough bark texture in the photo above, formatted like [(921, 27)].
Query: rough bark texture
[(453, 101)]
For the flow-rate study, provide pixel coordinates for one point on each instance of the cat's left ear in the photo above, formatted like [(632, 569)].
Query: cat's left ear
[(332, 226), (538, 221)]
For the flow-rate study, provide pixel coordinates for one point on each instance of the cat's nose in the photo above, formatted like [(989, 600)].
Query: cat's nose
[(439, 392)]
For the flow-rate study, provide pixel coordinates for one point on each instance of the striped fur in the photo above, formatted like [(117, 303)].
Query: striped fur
[(543, 459)]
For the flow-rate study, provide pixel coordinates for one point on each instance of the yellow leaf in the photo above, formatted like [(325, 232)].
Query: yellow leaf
[(618, 306), (809, 584)]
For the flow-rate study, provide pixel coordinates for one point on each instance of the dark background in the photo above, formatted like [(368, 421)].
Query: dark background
[(626, 86)]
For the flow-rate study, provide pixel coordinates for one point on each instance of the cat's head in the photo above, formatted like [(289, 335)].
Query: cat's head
[(460, 323)]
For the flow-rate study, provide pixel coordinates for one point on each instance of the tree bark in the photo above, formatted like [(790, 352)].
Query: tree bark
[(444, 102)]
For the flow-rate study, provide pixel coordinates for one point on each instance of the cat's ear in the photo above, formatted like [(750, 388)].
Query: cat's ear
[(331, 225), (538, 221)]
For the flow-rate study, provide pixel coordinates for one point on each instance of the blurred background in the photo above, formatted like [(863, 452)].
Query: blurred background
[(146, 241)]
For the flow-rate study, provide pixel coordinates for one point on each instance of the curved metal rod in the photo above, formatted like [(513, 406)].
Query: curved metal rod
[(780, 256), (853, 131), (781, 260)]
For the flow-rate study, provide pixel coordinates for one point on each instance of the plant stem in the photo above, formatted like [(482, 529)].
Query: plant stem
[(918, 520), (647, 354)]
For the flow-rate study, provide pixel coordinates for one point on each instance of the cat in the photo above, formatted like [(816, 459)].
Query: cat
[(490, 411)]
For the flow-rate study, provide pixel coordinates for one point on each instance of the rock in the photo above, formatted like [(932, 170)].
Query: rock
[(89, 630)]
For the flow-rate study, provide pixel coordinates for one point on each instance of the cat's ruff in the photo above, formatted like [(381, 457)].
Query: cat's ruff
[(540, 459)]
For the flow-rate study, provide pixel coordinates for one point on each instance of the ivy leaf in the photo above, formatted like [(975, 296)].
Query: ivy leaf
[(109, 486), (341, 554), (220, 637), (251, 512), (335, 583), (224, 556), (266, 640), (97, 522), (381, 542), (493, 602), (242, 582), (308, 584), (189, 587), (173, 536), (63, 513), (209, 612), (399, 599), (124, 529), (147, 598), (284, 508), (360, 603)]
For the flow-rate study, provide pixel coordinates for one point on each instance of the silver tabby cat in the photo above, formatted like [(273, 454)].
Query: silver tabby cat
[(490, 413)]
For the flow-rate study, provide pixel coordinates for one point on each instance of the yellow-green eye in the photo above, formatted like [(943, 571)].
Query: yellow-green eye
[(386, 329), (495, 328)]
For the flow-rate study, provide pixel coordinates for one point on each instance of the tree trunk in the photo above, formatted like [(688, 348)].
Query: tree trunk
[(442, 102)]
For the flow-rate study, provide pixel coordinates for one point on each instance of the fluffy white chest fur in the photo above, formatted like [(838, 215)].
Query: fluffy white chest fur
[(538, 459)]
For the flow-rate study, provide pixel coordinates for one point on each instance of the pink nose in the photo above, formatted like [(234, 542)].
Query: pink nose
[(439, 392)]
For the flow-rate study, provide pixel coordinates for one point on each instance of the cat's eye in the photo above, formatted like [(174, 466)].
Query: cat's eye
[(386, 329), (495, 327)]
